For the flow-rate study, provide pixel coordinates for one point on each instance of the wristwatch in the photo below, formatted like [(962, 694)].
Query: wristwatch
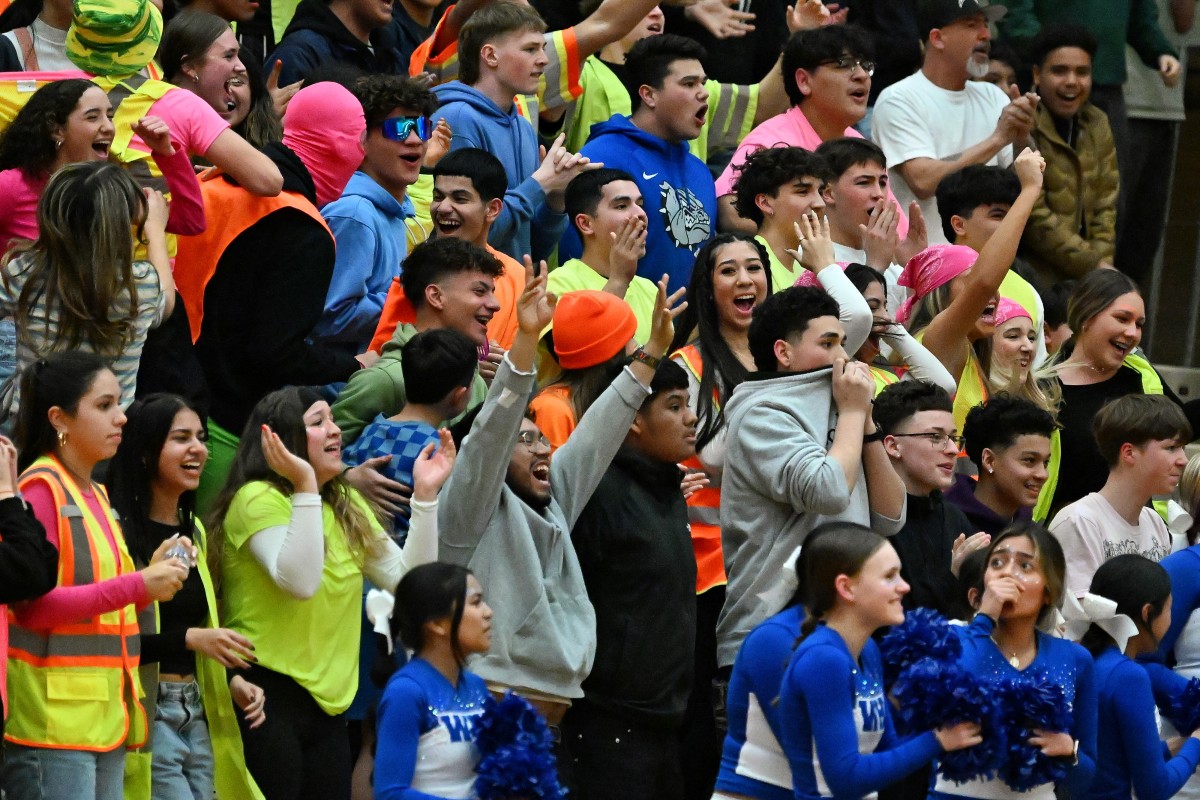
[(650, 361), (877, 436)]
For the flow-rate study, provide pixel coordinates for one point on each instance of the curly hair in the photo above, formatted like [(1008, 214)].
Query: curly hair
[(28, 144), (382, 94), (769, 169)]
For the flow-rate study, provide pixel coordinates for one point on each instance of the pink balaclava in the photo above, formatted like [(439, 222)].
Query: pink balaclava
[(931, 268), (324, 125)]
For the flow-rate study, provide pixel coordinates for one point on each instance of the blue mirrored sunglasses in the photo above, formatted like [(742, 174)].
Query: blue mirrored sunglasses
[(398, 128)]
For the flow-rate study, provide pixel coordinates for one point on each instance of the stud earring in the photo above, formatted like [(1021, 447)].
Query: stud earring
[(62, 439), (57, 143)]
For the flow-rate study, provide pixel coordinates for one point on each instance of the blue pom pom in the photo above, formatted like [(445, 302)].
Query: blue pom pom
[(924, 634), (932, 694), (515, 749), (1184, 708), (1030, 701)]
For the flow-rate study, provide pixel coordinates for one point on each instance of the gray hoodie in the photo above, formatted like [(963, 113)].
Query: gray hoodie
[(779, 483), (543, 625)]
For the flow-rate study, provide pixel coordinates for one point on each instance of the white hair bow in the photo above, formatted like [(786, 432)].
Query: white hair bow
[(1092, 609), (380, 604)]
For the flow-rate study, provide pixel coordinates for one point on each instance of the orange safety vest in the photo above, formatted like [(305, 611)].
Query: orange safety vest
[(230, 210), (704, 506), (75, 687)]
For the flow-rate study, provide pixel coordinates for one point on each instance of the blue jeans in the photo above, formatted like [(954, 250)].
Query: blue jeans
[(39, 773), (183, 753)]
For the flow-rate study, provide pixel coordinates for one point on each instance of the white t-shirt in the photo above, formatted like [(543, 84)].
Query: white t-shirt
[(916, 119), (1091, 532), (896, 294), (49, 45)]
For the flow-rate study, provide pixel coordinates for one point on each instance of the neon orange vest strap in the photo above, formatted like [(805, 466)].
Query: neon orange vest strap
[(230, 210), (704, 506)]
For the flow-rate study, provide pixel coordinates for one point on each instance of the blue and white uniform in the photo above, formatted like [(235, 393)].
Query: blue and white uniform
[(427, 735), (835, 723), (752, 761)]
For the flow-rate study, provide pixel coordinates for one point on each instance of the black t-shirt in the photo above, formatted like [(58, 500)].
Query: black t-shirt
[(187, 609)]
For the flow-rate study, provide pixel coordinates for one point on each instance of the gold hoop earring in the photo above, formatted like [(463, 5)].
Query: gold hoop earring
[(62, 439)]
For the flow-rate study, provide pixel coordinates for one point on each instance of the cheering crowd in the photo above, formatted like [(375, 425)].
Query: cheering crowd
[(508, 400)]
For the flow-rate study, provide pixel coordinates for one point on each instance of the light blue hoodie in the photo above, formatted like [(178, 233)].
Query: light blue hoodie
[(372, 241), (526, 225)]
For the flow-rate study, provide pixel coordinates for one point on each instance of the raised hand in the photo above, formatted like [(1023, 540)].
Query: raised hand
[(431, 470), (156, 211), (535, 306), (816, 243), (853, 388), (1030, 166), (439, 143), (1018, 118), (665, 312), (558, 168), (807, 15), (917, 238), (281, 96), (881, 235), (965, 545), (289, 466), (155, 132), (719, 18), (629, 245)]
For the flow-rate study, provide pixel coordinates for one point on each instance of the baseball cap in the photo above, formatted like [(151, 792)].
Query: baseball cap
[(939, 13)]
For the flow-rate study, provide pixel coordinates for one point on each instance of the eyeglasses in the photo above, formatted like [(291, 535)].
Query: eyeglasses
[(936, 439), (398, 128), (849, 63), (530, 438)]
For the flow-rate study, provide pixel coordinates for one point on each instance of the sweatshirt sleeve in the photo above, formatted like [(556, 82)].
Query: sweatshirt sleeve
[(185, 217), (848, 773), (578, 466), (28, 561), (789, 465), (853, 311), (1151, 777), (351, 312), (1085, 723), (1184, 569), (471, 495)]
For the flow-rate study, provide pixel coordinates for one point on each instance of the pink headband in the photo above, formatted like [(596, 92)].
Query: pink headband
[(1006, 309), (932, 267), (323, 125), (809, 278)]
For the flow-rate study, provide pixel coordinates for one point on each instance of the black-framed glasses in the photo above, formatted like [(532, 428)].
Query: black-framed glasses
[(398, 128), (531, 438), (935, 438), (849, 63)]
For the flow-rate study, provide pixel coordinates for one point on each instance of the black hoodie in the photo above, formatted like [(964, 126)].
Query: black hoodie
[(261, 305), (317, 37)]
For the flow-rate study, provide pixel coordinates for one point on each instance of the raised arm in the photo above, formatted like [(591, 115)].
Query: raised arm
[(947, 333)]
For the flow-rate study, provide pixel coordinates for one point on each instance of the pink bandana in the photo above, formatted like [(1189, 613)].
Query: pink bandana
[(933, 267), (809, 278), (1006, 309), (324, 126)]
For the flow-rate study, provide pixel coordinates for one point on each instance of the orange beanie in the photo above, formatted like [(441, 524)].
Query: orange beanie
[(590, 328)]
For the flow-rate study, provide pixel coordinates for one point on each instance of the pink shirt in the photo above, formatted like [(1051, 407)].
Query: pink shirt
[(194, 124), (789, 129), (64, 605), (19, 195)]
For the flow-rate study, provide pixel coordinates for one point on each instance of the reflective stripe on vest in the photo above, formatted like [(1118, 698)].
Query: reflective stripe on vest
[(1151, 384), (75, 685), (230, 211), (882, 378), (704, 506)]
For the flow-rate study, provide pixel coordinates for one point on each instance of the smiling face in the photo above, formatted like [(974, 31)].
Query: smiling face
[(878, 590), (985, 325), (466, 302), (1108, 337), (529, 467), (1013, 346), (680, 107), (394, 165), (183, 455), (459, 212), (519, 60), (924, 466), (1018, 471), (93, 432), (836, 93), (851, 198), (216, 73), (1064, 81), (323, 439), (739, 284), (89, 131)]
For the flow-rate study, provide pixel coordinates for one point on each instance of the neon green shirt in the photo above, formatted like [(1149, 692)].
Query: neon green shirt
[(313, 641), (782, 277), (641, 294)]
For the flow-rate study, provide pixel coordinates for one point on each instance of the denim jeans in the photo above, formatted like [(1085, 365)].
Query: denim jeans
[(183, 754), (39, 773)]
